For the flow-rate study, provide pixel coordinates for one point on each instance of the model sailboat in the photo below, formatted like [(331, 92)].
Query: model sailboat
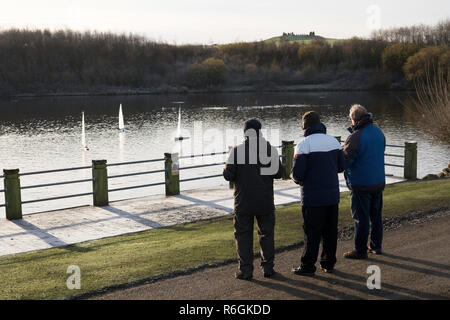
[(121, 122), (83, 133), (179, 137)]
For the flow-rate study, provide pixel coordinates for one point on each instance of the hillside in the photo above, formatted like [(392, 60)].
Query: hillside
[(42, 62)]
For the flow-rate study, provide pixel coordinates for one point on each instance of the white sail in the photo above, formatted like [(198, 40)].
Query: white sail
[(179, 123), (83, 133), (121, 122)]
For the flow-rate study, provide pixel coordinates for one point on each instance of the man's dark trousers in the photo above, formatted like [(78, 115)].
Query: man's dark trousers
[(366, 211), (320, 223), (243, 233)]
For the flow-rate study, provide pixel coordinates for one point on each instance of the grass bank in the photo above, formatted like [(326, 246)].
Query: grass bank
[(130, 258)]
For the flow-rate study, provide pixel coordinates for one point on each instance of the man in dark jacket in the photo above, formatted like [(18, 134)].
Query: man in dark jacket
[(365, 176), (317, 161), (252, 166)]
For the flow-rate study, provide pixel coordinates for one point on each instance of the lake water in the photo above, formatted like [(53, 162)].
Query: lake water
[(45, 133)]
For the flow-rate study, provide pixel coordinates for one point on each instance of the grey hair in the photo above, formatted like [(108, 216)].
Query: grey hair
[(357, 111)]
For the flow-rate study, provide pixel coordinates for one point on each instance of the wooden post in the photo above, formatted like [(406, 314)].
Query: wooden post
[(13, 200), (410, 165), (287, 152), (172, 174), (100, 183), (231, 182)]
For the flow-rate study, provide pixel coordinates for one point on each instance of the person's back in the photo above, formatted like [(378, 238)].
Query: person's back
[(252, 166), (364, 150), (253, 190), (318, 159), (365, 175)]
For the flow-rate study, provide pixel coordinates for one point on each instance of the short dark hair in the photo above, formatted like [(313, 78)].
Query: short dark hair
[(309, 119), (252, 124)]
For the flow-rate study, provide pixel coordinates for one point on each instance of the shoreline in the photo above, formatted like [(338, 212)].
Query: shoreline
[(185, 91)]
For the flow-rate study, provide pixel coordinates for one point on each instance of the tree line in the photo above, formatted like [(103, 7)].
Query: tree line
[(43, 61)]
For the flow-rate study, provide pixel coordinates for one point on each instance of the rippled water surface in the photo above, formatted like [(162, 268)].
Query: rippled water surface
[(45, 133)]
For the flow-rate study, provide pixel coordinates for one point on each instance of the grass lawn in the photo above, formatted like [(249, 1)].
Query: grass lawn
[(123, 259)]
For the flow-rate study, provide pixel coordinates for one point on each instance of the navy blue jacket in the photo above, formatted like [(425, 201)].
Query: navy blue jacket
[(317, 161), (364, 154)]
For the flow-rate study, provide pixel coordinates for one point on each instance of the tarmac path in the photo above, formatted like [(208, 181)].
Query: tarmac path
[(415, 265)]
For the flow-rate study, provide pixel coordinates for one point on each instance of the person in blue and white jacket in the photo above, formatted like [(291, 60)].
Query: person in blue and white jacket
[(317, 161)]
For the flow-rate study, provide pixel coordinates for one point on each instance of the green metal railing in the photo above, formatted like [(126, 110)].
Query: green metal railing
[(100, 191)]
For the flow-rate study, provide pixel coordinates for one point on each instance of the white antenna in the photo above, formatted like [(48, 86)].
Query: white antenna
[(83, 133), (121, 122)]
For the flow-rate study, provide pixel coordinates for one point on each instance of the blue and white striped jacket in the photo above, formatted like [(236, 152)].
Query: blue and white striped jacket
[(317, 161)]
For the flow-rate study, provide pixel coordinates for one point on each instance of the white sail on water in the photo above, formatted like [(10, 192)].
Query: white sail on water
[(121, 122), (179, 137), (83, 133)]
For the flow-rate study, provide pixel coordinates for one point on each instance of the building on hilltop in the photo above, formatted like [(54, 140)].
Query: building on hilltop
[(292, 36)]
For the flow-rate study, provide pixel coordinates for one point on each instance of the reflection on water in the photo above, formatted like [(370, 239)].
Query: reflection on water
[(45, 133), (121, 146)]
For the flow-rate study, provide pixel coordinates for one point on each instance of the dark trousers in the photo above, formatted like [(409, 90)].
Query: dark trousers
[(320, 223), (366, 211), (243, 233)]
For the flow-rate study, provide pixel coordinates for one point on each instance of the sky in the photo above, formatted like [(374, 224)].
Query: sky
[(210, 21)]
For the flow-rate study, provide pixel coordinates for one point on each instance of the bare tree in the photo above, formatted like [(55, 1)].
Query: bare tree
[(432, 103)]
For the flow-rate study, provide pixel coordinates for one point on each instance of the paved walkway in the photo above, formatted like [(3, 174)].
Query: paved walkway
[(63, 227), (415, 265)]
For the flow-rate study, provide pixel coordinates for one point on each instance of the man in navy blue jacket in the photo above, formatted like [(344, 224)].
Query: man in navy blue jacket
[(365, 175), (317, 161)]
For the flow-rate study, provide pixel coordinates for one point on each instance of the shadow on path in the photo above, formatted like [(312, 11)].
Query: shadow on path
[(201, 202), (399, 292), (432, 264), (134, 217), (412, 268), (294, 286), (40, 233)]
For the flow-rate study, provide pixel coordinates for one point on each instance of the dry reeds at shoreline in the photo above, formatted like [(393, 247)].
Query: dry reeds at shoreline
[(432, 104)]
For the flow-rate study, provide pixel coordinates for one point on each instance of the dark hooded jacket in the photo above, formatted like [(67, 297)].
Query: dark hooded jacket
[(253, 176)]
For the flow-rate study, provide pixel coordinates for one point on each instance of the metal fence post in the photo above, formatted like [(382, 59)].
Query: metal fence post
[(13, 200), (100, 183), (410, 164), (287, 152), (172, 167)]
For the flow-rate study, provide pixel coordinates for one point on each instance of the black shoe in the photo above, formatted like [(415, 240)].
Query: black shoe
[(327, 270), (302, 272), (376, 251), (269, 273), (355, 255), (243, 276)]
